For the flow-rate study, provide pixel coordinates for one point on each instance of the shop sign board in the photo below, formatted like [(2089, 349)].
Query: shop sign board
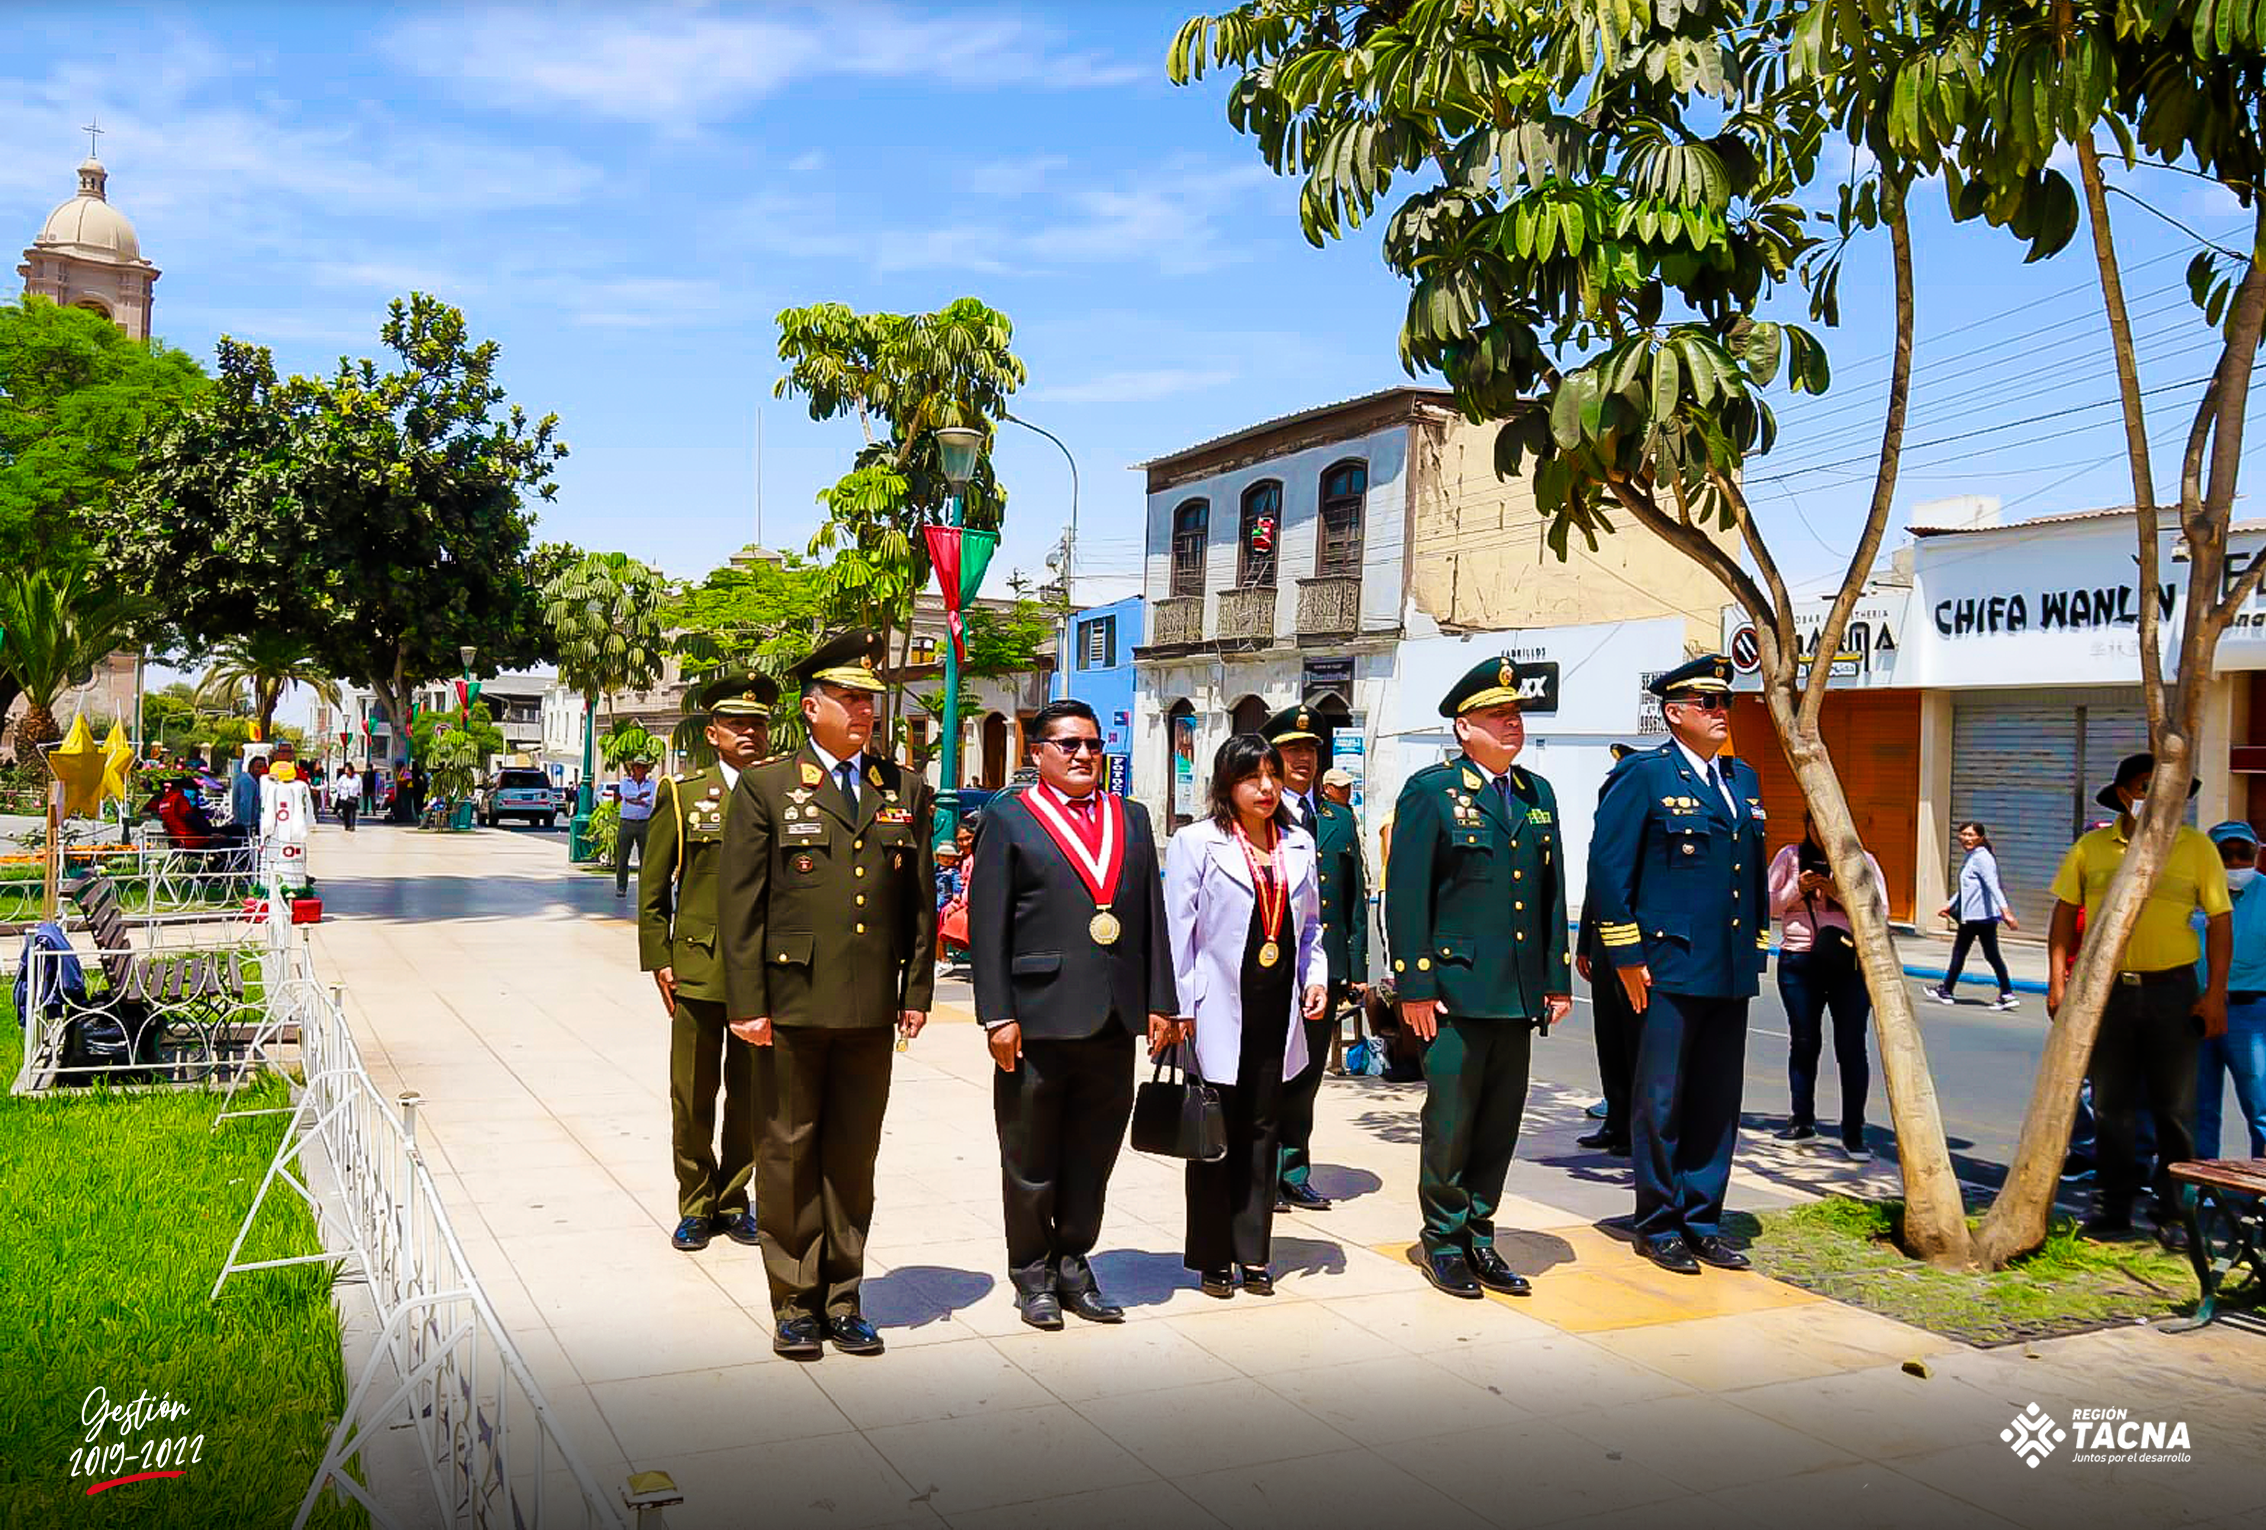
[(1867, 657)]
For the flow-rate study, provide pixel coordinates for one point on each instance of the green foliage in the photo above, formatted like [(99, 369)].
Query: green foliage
[(376, 515), (604, 832), (902, 376), (1004, 642), (628, 741), (59, 622), (452, 764), (604, 615), (77, 397), (433, 725), (262, 667)]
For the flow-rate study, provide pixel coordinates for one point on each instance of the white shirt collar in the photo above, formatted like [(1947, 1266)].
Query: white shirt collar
[(1698, 764), (1065, 798), (731, 775), (856, 762)]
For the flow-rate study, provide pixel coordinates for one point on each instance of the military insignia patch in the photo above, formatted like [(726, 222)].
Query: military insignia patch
[(800, 794), (873, 772), (805, 864), (1537, 815), (1472, 781), (812, 775)]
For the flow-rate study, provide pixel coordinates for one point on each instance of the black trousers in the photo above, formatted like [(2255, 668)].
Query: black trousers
[(631, 834), (1061, 1117), (347, 807), (2144, 1058), (1614, 1028), (1297, 1128), (1982, 932), (1691, 1061), (1812, 986), (1231, 1203), (820, 1092)]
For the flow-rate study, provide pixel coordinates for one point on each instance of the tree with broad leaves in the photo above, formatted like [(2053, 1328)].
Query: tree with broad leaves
[(901, 376), (604, 615), (1607, 196), (379, 515)]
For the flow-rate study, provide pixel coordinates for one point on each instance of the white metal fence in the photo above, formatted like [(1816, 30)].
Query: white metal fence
[(490, 1447)]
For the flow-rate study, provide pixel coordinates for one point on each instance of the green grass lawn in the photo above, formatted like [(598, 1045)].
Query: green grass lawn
[(1846, 1249), (115, 1213)]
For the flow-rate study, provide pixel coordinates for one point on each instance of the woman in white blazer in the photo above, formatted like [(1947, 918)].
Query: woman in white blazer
[(1245, 915)]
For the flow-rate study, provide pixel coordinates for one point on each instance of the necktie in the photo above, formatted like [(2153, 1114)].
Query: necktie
[(847, 774), (1306, 814), (1503, 790), (1722, 791)]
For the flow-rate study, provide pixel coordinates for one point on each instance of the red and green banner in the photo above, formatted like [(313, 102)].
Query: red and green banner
[(960, 556)]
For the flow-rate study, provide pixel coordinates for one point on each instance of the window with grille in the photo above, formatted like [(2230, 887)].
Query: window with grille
[(1262, 536), (1191, 528), (1345, 487), (1097, 647), (923, 651)]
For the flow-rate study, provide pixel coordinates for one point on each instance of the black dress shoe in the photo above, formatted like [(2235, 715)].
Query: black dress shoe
[(1256, 1280), (1796, 1131), (1488, 1269), (692, 1234), (853, 1335), (1091, 1305), (1618, 1148), (1040, 1309), (1669, 1253), (740, 1228), (1302, 1198), (1713, 1250), (1596, 1139), (800, 1338), (1451, 1272), (1219, 1283)]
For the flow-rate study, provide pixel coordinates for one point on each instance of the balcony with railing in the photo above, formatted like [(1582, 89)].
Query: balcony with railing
[(1179, 619), (1329, 607), (1247, 614)]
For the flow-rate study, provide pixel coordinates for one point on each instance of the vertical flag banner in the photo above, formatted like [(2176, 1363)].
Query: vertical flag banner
[(960, 556)]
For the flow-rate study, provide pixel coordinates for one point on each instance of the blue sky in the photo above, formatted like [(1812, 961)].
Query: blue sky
[(625, 197)]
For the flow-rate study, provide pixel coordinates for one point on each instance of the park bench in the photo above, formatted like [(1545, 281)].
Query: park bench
[(2225, 1202)]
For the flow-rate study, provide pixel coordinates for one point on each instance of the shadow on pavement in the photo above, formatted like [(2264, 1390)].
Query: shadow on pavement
[(916, 1295), (1339, 1183), (1135, 1277)]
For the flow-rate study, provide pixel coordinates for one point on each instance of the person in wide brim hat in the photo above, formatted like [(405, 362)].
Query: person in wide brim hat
[(2131, 770)]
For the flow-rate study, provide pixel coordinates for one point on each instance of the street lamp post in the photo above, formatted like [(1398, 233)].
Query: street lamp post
[(959, 446), (1069, 554)]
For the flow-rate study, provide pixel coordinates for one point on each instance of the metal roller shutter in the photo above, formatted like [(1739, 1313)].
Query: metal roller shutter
[(2026, 766)]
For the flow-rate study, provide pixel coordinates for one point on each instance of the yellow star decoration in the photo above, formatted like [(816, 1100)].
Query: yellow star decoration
[(79, 763), (118, 759)]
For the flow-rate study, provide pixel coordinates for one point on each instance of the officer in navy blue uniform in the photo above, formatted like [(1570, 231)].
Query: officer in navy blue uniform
[(1676, 883)]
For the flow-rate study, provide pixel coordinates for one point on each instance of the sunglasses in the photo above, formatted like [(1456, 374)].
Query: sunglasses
[(1075, 745), (1711, 703)]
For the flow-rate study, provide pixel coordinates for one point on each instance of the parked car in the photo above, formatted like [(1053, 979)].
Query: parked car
[(519, 794)]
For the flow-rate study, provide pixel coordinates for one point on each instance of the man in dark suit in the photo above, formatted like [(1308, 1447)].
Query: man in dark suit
[(827, 912), (1677, 882), (1067, 935), (1345, 935), (1613, 1025), (676, 942)]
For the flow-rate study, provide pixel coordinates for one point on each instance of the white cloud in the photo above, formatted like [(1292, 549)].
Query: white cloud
[(808, 162), (1172, 220), (675, 68), (1141, 387), (1013, 177)]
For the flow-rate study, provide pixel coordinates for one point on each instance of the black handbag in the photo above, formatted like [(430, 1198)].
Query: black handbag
[(1180, 1117)]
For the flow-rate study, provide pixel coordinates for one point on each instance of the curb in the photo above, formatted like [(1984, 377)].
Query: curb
[(2021, 984)]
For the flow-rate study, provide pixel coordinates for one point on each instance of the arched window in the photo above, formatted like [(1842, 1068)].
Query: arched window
[(1345, 488), (1261, 536), (1249, 715), (1191, 528), (1180, 763)]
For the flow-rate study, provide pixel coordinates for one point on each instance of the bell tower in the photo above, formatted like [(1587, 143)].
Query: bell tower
[(88, 256)]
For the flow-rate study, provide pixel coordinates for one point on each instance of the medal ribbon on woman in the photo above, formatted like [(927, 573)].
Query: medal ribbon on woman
[(1097, 865), (1273, 893)]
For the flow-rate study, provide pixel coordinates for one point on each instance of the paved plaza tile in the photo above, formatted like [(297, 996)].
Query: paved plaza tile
[(502, 986)]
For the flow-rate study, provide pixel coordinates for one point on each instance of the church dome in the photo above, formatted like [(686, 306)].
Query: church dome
[(88, 226)]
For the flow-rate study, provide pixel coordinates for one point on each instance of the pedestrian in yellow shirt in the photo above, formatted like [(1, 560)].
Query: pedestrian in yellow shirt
[(2157, 1014)]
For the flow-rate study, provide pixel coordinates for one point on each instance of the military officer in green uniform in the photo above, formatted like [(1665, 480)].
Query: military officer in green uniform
[(676, 942), (1345, 934), (1475, 914), (828, 912)]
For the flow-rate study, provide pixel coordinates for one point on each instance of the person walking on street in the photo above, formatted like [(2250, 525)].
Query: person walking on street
[(677, 927), (1066, 933), (2240, 1054), (1475, 913), (1978, 907), (1818, 974), (1676, 871), (827, 913), (1344, 884), (2158, 1014), (638, 792), (1244, 910), (346, 795)]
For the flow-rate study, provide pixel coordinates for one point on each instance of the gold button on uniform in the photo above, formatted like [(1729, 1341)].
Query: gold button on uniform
[(1424, 964), (861, 929), (861, 871), (861, 900)]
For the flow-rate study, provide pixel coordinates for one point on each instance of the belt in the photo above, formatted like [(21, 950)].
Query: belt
[(2152, 979)]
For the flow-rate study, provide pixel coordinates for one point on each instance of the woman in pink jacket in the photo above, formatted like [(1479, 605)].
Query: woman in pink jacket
[(1818, 974)]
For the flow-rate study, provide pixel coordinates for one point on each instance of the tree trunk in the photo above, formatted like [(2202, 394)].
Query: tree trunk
[(36, 727), (1935, 1213)]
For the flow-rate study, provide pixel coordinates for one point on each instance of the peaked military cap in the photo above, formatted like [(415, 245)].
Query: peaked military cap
[(742, 693), (1489, 683), (1707, 675), (848, 659), (1293, 725)]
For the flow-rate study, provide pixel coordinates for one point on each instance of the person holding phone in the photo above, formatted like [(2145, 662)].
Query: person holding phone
[(1818, 973)]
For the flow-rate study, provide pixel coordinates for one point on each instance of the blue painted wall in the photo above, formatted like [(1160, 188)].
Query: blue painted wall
[(1106, 684)]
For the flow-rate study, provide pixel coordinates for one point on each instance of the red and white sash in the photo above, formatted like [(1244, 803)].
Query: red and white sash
[(1097, 866)]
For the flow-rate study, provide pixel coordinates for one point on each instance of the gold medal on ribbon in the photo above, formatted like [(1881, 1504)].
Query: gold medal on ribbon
[(1104, 928), (1269, 954)]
